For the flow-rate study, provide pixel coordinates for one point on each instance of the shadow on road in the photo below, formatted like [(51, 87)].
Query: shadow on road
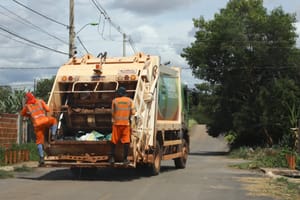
[(209, 153), (101, 174)]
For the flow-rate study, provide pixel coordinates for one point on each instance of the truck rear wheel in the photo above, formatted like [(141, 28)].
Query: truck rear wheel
[(157, 156), (181, 162)]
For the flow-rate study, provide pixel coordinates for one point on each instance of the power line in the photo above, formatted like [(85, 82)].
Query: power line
[(117, 27), (42, 15), (30, 41), (35, 26), (27, 44)]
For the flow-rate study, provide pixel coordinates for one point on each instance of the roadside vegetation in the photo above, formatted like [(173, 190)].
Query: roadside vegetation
[(11, 101), (10, 173), (33, 154), (261, 158), (285, 187)]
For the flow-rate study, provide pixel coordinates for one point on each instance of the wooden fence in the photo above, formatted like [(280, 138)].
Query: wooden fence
[(15, 156)]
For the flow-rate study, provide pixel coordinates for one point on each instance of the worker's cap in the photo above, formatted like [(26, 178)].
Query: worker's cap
[(29, 95), (121, 91)]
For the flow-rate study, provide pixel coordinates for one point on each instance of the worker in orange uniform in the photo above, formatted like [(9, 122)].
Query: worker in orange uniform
[(36, 109), (122, 109)]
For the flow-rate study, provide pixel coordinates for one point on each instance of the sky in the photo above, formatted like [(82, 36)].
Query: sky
[(155, 27)]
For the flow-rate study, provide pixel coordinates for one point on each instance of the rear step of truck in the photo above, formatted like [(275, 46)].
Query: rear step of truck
[(76, 161), (87, 165)]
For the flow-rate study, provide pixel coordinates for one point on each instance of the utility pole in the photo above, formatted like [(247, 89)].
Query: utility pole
[(71, 30)]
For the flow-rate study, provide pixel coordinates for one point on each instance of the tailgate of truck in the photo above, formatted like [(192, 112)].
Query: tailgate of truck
[(81, 153)]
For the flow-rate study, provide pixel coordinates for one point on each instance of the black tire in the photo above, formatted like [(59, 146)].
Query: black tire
[(157, 156), (180, 163)]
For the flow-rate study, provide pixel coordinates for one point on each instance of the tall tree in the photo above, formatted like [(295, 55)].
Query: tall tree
[(244, 53)]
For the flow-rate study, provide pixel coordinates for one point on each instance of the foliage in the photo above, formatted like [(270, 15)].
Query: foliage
[(248, 60), (2, 150), (23, 168), (261, 157), (43, 88), (192, 122), (12, 101), (201, 98), (231, 137), (293, 189), (5, 174), (33, 152), (268, 158)]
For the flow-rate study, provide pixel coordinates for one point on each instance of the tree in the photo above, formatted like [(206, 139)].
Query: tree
[(43, 88), (244, 53)]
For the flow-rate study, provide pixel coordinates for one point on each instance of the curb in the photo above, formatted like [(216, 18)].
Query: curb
[(293, 175), (30, 164)]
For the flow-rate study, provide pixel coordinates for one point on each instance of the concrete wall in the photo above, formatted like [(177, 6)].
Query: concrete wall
[(9, 125)]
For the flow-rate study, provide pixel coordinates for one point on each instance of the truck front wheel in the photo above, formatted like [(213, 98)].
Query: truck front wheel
[(181, 161)]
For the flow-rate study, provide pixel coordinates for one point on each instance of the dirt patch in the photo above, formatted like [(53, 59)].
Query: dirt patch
[(268, 187)]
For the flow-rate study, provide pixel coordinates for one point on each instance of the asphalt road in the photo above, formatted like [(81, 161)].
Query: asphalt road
[(206, 177)]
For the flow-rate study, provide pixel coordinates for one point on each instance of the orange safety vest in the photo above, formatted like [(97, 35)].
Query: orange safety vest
[(37, 113), (122, 108)]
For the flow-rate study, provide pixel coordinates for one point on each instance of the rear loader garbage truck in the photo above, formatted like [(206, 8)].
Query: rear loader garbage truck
[(81, 100)]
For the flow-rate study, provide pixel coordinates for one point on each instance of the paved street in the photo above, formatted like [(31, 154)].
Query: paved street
[(207, 176)]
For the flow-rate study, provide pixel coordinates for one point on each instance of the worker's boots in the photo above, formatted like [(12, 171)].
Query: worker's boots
[(41, 161), (112, 154), (125, 154)]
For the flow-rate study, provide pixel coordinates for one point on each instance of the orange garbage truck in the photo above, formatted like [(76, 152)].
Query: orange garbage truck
[(81, 100)]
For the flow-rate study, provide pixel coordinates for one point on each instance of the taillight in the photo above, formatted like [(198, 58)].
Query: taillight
[(64, 78), (67, 78), (133, 77)]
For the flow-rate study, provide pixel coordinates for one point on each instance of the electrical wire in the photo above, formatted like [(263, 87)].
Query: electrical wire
[(33, 25), (19, 41), (32, 42), (117, 27), (40, 14), (82, 44)]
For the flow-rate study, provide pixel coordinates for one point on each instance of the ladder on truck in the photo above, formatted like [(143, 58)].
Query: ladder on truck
[(143, 123)]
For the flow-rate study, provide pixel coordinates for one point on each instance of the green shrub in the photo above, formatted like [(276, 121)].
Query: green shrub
[(1, 156), (261, 157), (23, 168), (242, 152), (5, 174), (192, 122), (230, 137), (33, 152)]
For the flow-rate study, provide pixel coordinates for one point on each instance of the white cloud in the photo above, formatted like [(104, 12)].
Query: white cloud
[(157, 27), (152, 7)]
